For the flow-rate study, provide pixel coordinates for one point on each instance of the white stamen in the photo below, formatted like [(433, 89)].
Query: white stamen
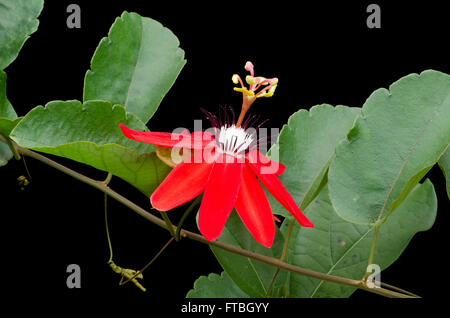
[(233, 140)]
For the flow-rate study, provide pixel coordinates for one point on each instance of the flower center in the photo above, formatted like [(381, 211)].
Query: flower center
[(233, 140)]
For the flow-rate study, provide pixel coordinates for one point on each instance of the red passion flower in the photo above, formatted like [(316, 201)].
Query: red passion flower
[(225, 166)]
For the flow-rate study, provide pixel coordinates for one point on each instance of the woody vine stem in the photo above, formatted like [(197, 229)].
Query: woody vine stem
[(386, 290)]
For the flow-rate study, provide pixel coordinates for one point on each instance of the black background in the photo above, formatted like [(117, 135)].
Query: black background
[(321, 52)]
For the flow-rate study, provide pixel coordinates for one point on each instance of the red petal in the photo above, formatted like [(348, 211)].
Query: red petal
[(196, 140), (264, 164), (184, 182), (254, 208), (219, 197), (277, 189)]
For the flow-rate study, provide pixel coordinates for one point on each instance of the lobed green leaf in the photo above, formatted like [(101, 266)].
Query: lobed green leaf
[(306, 147), (134, 66), (89, 133), (337, 247), (215, 286), (18, 19), (399, 136)]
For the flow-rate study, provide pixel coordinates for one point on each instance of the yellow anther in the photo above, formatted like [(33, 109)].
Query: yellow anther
[(244, 91), (250, 80), (266, 94)]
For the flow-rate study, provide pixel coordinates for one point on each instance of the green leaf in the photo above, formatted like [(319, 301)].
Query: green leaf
[(18, 19), (337, 247), (444, 163), (8, 120), (6, 125), (5, 154), (250, 276), (306, 147), (134, 66), (6, 109), (400, 134), (215, 286), (90, 133), (8, 116)]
